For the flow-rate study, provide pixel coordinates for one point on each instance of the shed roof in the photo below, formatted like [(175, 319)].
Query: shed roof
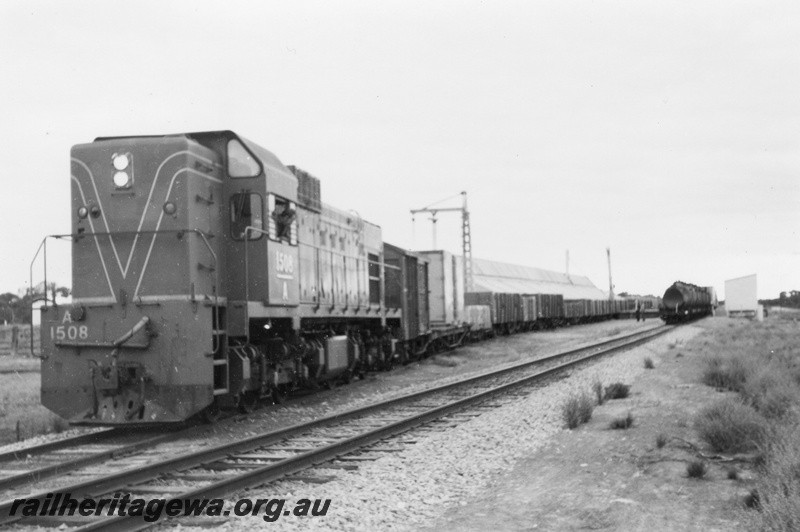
[(491, 276)]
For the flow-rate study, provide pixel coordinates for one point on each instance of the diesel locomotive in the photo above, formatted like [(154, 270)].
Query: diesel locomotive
[(207, 275), (685, 301)]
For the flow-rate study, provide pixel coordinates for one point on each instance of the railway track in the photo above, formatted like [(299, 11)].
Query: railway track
[(332, 442), (40, 462)]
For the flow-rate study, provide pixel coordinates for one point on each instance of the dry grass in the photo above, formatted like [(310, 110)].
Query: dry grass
[(727, 372), (696, 469), (771, 390), (761, 362), (21, 414), (622, 423), (597, 388), (730, 426), (778, 488), (577, 409), (617, 390), (9, 363)]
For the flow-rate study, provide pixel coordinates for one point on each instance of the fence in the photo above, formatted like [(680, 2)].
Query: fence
[(15, 339)]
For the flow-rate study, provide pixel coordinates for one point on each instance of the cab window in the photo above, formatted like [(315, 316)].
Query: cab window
[(246, 211), (241, 162), (282, 215)]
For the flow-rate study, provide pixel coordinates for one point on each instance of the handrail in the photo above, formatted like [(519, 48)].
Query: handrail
[(247, 275), (43, 244), (78, 236)]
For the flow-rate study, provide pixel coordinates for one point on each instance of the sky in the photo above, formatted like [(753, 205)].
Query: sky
[(668, 132)]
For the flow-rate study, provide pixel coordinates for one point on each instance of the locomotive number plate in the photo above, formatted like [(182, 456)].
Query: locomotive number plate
[(284, 265), (69, 332)]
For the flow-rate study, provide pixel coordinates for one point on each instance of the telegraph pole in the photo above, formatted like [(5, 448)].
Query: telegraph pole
[(610, 284)]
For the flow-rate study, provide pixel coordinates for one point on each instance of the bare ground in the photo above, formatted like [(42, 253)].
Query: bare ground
[(596, 478)]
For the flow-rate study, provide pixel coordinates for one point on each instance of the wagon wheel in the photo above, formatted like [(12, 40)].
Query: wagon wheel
[(279, 395), (404, 359), (248, 402), (347, 376), (212, 412)]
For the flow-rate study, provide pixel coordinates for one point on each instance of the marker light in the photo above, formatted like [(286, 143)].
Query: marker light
[(122, 180), (83, 212), (95, 211), (170, 208), (120, 161)]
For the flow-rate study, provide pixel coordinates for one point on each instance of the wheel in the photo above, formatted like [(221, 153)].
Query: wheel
[(212, 413), (347, 377), (248, 402), (404, 358), (279, 395)]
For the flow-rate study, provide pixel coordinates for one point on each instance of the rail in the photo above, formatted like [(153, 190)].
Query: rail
[(391, 425)]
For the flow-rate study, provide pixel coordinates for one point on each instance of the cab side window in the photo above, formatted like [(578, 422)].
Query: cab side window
[(246, 211), (282, 215)]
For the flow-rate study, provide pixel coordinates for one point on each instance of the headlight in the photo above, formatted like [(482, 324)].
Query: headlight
[(122, 180), (170, 208), (120, 161), (95, 211), (83, 212)]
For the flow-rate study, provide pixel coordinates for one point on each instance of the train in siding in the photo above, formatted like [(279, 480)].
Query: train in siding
[(208, 275), (685, 301)]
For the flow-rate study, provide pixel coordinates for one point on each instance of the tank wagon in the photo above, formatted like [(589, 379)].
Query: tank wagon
[(209, 275), (685, 301)]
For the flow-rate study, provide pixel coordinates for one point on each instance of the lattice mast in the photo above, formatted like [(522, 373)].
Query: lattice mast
[(466, 236)]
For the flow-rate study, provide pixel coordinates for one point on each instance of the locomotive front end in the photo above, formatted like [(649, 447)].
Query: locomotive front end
[(138, 342)]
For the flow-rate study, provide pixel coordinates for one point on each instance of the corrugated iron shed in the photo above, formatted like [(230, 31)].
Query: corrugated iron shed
[(491, 276)]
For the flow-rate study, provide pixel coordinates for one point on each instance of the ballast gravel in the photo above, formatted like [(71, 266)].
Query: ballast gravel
[(408, 490)]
